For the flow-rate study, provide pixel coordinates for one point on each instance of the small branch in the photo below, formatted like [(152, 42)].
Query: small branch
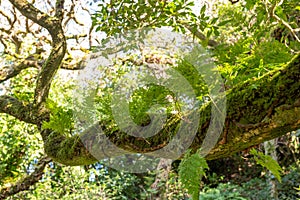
[(78, 66), (76, 37), (71, 16), (249, 126), (28, 181), (234, 1), (200, 35), (293, 32), (29, 11), (8, 72), (6, 16)]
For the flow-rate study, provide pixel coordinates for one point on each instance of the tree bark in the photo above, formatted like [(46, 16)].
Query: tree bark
[(27, 182), (257, 110), (254, 115)]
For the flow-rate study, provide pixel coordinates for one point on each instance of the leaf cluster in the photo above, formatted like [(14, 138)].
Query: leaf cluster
[(267, 162), (191, 170), (61, 118)]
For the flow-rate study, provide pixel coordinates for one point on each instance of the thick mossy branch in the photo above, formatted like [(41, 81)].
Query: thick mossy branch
[(238, 139), (66, 150), (258, 110)]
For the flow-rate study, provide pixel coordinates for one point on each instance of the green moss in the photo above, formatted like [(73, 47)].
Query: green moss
[(252, 104), (284, 117), (246, 104), (68, 151)]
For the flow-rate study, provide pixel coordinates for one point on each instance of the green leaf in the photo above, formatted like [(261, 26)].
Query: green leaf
[(222, 23), (209, 32), (203, 9), (214, 20), (60, 119), (267, 162), (216, 31), (191, 170)]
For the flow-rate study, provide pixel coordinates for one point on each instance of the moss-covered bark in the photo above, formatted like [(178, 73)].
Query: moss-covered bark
[(20, 110), (258, 110), (254, 115), (268, 111)]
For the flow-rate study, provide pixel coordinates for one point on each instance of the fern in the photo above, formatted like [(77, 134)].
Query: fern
[(191, 170), (60, 119), (267, 162)]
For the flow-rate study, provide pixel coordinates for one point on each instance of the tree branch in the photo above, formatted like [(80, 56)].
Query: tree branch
[(8, 72), (278, 19), (275, 102), (29, 11), (28, 181), (18, 109), (59, 8), (53, 25), (11, 71), (200, 35)]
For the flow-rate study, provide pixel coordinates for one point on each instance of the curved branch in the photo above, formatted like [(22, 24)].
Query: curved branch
[(51, 66), (59, 45), (6, 16), (31, 12), (28, 181)]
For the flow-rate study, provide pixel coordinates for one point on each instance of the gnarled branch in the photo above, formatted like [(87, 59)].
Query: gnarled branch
[(53, 25), (26, 182)]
